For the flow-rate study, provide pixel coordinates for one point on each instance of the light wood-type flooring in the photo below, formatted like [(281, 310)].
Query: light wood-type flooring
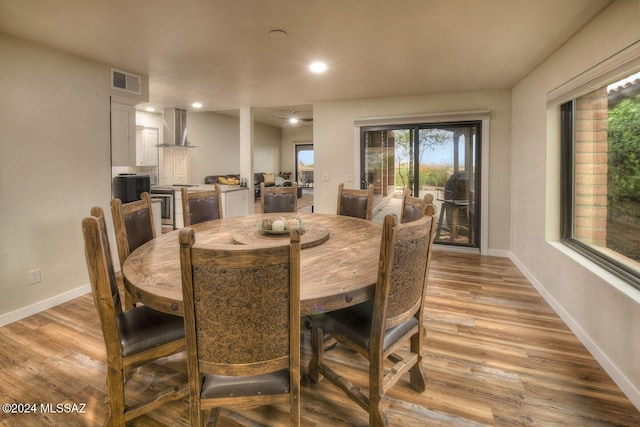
[(496, 355)]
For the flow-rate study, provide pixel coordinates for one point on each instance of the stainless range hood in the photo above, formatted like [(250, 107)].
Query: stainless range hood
[(174, 132)]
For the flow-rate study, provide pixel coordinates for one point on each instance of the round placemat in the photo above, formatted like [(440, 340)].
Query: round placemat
[(314, 234)]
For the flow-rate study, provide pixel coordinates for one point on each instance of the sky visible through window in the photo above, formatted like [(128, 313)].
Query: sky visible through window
[(306, 157)]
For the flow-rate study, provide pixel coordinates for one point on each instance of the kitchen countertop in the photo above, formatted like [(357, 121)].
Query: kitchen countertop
[(201, 187), (223, 188)]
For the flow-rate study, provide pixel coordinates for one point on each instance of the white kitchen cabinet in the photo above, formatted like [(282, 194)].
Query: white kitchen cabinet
[(175, 166), (235, 203), (146, 146), (123, 135), (181, 172)]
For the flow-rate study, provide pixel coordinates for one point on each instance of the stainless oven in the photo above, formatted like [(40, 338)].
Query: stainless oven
[(167, 204)]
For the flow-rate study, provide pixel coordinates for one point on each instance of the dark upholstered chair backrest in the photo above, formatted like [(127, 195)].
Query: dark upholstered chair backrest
[(138, 229), (133, 224), (279, 199), (201, 206), (413, 208), (355, 203), (412, 213)]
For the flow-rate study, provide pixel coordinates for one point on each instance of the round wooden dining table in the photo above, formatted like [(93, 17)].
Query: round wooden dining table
[(338, 260)]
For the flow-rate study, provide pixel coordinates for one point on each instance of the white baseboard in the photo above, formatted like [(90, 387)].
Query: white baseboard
[(29, 310), (499, 252), (627, 387)]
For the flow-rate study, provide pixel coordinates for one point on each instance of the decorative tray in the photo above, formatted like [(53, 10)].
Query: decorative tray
[(259, 225)]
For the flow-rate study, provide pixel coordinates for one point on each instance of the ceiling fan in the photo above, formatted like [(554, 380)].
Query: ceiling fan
[(293, 118)]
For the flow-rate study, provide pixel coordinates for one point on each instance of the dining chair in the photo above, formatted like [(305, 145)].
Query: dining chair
[(242, 321), (356, 203), (201, 206), (132, 337), (413, 208), (377, 329), (279, 199), (133, 225)]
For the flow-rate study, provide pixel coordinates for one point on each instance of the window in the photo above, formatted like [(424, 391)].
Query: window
[(600, 140)]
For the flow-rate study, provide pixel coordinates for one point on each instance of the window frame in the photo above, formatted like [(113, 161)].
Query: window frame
[(567, 205), (415, 128)]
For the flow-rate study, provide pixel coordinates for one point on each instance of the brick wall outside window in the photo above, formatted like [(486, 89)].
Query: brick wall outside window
[(591, 156)]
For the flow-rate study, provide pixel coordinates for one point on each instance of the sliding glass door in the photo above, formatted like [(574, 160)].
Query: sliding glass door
[(442, 160)]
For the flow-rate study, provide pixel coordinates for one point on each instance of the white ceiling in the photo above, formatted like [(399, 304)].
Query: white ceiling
[(219, 52)]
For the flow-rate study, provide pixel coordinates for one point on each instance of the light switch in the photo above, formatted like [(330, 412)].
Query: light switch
[(326, 177)]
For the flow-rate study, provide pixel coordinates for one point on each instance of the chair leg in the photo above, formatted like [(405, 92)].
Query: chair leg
[(417, 375), (214, 414), (115, 398), (377, 417), (317, 348)]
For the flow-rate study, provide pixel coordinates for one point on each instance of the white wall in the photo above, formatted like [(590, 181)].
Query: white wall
[(602, 311), (336, 145), (217, 140), (54, 166), (267, 150)]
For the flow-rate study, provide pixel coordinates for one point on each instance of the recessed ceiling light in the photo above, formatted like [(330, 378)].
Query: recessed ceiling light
[(318, 67), (196, 105), (293, 120), (150, 109)]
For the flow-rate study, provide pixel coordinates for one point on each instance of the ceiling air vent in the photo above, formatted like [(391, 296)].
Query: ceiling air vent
[(127, 82)]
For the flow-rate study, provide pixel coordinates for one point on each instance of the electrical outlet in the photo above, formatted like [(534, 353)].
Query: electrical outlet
[(350, 178), (33, 276)]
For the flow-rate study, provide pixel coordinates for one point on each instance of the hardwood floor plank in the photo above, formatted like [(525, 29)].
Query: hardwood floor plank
[(495, 355)]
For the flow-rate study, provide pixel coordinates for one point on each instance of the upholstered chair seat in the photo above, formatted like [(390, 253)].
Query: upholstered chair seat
[(143, 328), (272, 383), (355, 323)]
